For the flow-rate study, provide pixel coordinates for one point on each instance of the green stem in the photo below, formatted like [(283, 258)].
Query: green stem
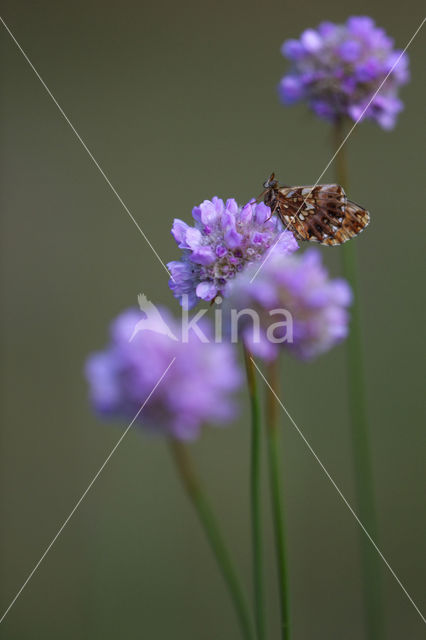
[(364, 483), (276, 498), (193, 489), (255, 496)]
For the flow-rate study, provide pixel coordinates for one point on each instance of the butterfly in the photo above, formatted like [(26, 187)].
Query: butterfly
[(321, 213)]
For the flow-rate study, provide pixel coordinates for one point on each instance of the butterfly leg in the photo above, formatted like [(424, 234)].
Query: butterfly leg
[(274, 209), (260, 197)]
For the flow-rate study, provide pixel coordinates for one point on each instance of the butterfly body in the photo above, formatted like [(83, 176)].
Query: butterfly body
[(320, 213)]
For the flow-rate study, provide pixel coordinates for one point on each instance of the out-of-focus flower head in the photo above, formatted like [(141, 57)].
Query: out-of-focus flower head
[(299, 306), (224, 239), (337, 69), (195, 390)]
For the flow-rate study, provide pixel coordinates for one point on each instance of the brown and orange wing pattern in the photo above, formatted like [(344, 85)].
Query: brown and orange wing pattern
[(320, 214)]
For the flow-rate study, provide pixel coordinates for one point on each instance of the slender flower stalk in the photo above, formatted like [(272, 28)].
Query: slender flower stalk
[(276, 498), (255, 495), (194, 491), (359, 426)]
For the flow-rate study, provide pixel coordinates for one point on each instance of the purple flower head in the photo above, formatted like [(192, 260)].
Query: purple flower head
[(195, 390), (224, 239), (337, 69), (297, 305)]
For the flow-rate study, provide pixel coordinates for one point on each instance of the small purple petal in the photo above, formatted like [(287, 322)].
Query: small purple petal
[(231, 206), (368, 70), (179, 230), (355, 111), (206, 290), (323, 109), (196, 214), (291, 89), (228, 220), (209, 213), (262, 213), (360, 25), (311, 40), (397, 63), (246, 213), (293, 50), (193, 238), (259, 238), (287, 243), (342, 293), (218, 205), (327, 29), (232, 238), (350, 50), (204, 256)]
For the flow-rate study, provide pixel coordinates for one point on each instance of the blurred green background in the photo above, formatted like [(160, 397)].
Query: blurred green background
[(178, 103)]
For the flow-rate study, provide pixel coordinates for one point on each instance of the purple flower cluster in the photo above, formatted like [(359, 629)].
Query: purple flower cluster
[(195, 390), (337, 69), (223, 241), (315, 318)]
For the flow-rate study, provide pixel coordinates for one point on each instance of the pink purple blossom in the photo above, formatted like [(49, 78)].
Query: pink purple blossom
[(223, 241), (316, 316), (195, 390), (337, 68)]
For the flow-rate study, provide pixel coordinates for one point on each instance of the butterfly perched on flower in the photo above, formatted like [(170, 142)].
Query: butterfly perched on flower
[(321, 213)]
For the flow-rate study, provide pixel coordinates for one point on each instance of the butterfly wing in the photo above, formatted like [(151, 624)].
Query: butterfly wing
[(320, 214), (354, 221)]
